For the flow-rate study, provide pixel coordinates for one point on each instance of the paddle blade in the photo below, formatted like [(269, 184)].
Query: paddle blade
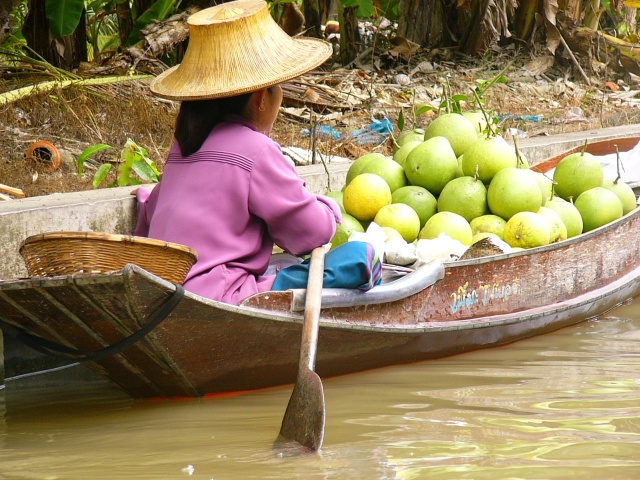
[(303, 421)]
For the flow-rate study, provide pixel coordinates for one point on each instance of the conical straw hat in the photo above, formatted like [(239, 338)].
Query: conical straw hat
[(235, 48)]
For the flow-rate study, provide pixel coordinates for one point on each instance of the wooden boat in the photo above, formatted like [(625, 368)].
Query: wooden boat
[(437, 310)]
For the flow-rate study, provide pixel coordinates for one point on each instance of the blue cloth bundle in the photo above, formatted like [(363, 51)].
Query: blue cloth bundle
[(350, 265)]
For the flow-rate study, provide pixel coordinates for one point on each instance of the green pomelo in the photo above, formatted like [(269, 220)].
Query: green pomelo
[(343, 231), (391, 171), (522, 162), (392, 234), (527, 230), (459, 172), (365, 195), (488, 224), (408, 136), (489, 156), (624, 192), (477, 119), (431, 165), (568, 213), (338, 196), (401, 218), (418, 198), (482, 235), (400, 155), (558, 228), (454, 127), (513, 190), (598, 206), (545, 184), (465, 196), (356, 167), (449, 223), (577, 173)]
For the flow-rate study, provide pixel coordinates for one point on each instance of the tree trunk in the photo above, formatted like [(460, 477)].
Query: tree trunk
[(5, 19), (65, 52), (311, 10), (348, 34), (328, 10), (125, 22), (630, 15), (421, 21)]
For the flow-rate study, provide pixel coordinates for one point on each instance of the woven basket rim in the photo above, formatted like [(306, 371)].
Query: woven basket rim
[(112, 237)]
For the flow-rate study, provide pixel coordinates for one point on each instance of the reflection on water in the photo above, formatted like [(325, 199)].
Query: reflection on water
[(558, 406)]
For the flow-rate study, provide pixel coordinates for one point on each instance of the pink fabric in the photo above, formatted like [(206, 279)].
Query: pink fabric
[(230, 201)]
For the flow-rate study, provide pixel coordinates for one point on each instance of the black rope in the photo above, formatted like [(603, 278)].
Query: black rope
[(61, 351)]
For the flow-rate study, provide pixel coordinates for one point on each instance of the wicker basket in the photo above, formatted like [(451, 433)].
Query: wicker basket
[(64, 253)]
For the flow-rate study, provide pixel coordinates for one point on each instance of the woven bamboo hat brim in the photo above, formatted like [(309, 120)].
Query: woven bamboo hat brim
[(236, 48)]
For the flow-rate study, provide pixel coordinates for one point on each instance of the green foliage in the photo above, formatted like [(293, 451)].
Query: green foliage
[(134, 166), (400, 123), (159, 10), (389, 9), (102, 30), (365, 8), (63, 16)]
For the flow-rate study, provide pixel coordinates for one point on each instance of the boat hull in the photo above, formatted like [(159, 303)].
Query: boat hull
[(204, 346)]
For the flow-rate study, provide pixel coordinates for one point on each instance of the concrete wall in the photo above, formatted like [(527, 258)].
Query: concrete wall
[(104, 210), (109, 210)]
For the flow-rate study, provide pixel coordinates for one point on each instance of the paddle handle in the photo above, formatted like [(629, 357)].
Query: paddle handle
[(313, 302)]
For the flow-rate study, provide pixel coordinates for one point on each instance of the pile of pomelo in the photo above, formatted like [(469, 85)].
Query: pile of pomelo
[(457, 178)]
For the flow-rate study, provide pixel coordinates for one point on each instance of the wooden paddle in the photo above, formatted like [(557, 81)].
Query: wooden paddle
[(303, 420)]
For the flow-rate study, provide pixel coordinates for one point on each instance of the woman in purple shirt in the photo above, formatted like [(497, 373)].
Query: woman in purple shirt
[(226, 190)]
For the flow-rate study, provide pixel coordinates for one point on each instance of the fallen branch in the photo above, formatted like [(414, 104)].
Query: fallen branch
[(16, 192), (15, 95)]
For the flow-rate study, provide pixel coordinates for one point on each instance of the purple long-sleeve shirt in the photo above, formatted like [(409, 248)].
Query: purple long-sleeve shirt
[(230, 201)]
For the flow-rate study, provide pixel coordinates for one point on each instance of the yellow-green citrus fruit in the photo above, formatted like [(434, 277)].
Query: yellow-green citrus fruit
[(456, 128), (338, 197), (391, 171), (459, 172), (391, 233), (513, 190), (431, 165), (465, 196), (598, 206), (482, 235), (569, 213), (545, 184), (527, 230), (408, 136), (624, 192), (449, 223), (401, 218), (401, 154), (488, 223), (489, 155), (477, 119), (356, 167), (365, 195), (521, 161), (418, 198), (343, 230), (577, 173), (558, 228)]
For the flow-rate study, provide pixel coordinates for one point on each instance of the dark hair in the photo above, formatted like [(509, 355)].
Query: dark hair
[(197, 118)]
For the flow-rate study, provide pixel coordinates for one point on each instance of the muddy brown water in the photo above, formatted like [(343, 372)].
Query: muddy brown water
[(561, 405)]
